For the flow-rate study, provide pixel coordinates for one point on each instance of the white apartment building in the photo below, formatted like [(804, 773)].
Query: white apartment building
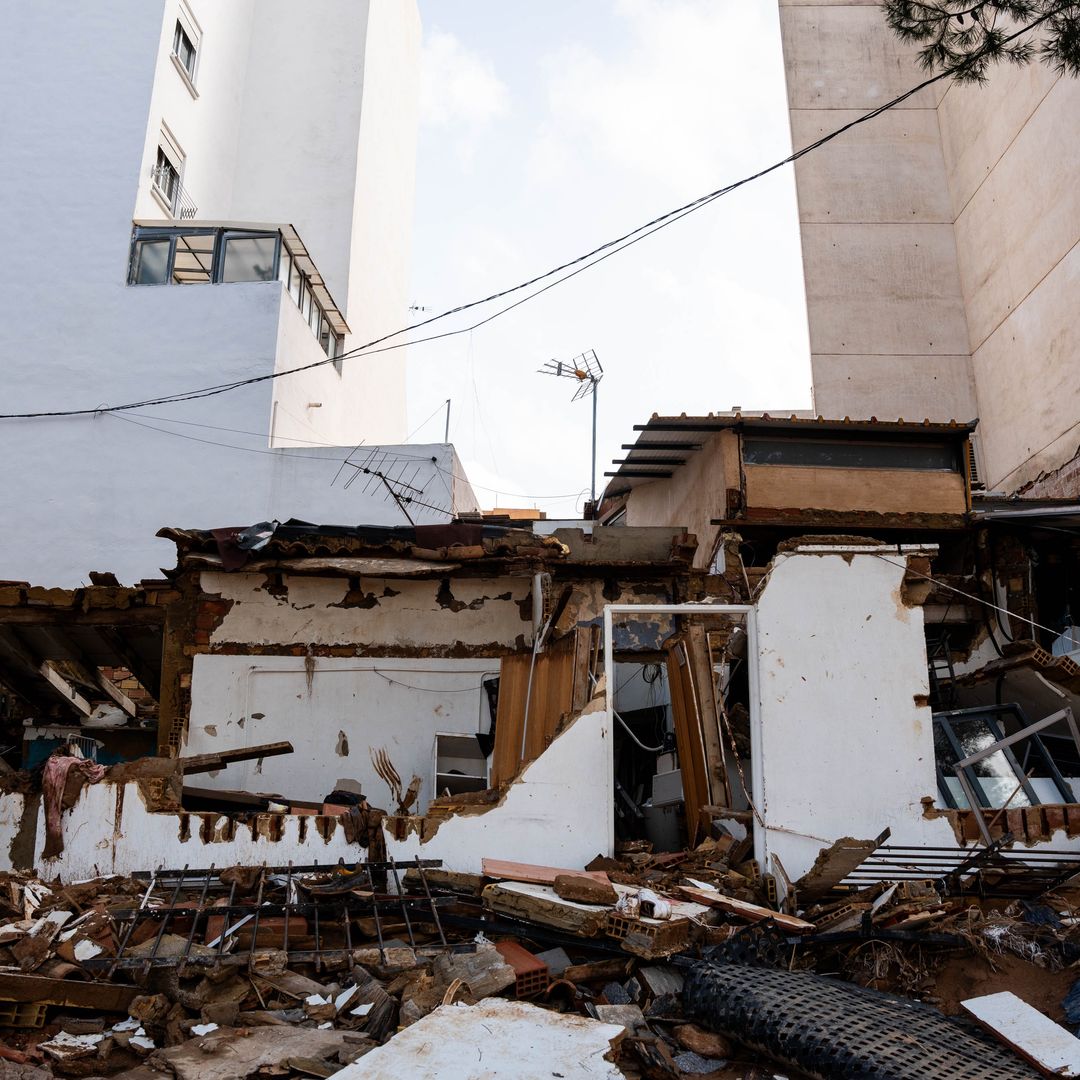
[(198, 193), (941, 243)]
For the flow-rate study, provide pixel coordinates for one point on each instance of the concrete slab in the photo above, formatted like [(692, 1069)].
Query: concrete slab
[(494, 1039)]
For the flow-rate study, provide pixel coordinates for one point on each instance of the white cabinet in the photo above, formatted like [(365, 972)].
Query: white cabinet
[(460, 764)]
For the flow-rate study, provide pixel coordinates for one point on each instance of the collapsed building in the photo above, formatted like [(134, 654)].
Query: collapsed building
[(808, 662), (786, 627)]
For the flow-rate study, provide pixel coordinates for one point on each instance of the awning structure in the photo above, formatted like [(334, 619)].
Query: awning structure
[(667, 442)]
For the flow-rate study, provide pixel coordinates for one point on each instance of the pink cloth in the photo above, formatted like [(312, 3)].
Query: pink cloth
[(53, 782)]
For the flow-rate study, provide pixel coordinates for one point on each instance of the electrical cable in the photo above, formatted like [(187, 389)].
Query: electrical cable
[(575, 266), (285, 451), (436, 689)]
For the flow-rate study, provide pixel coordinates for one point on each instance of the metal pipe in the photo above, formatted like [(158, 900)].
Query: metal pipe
[(592, 475)]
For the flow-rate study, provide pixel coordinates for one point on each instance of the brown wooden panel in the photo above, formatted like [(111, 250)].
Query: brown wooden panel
[(555, 685), (881, 490), (510, 716)]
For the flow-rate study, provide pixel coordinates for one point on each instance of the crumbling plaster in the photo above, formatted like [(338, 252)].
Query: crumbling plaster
[(379, 611), (110, 830)]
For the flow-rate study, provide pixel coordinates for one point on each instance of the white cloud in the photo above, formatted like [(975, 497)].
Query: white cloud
[(680, 103), (624, 112), (459, 90)]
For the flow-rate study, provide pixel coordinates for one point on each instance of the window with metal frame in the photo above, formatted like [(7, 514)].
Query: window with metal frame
[(185, 50), (200, 256), (853, 453), (993, 757), (166, 178)]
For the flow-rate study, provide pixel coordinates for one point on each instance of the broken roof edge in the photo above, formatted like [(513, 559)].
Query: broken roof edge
[(298, 540)]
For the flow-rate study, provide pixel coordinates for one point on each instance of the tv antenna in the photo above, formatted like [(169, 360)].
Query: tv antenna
[(587, 372), (399, 477)]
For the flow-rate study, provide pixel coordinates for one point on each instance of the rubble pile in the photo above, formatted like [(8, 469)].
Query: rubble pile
[(656, 965)]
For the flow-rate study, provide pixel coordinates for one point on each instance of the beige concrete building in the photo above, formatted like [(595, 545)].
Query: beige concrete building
[(940, 243)]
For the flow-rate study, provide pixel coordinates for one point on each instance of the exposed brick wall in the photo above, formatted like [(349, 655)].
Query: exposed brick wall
[(1028, 824), (1063, 483)]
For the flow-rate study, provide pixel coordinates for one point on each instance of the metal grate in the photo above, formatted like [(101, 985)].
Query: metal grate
[(837, 1031), (322, 902), (994, 871)]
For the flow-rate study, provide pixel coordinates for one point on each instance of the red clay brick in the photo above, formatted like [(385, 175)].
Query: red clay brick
[(1014, 822), (1034, 823), (1055, 818)]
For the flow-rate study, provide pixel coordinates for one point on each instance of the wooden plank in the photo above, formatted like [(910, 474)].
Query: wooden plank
[(103, 997), (65, 689), (551, 699), (751, 912), (687, 738), (114, 691), (535, 875), (200, 763), (704, 677), (239, 799), (583, 660), (1035, 1037)]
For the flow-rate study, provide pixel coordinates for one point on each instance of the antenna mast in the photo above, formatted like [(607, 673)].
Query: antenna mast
[(586, 370)]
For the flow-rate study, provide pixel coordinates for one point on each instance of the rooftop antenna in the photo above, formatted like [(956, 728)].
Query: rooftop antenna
[(586, 370)]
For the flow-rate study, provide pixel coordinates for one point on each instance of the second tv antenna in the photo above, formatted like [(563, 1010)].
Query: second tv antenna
[(587, 372)]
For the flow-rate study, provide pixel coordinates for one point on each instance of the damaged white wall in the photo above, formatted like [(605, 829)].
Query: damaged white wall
[(473, 612), (847, 745), (559, 812), (333, 710), (110, 831)]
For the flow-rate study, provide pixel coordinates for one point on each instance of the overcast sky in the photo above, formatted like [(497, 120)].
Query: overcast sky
[(549, 128)]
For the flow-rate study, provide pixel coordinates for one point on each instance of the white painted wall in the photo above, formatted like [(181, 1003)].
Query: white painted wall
[(106, 834), (107, 485), (87, 91), (845, 748), (353, 706), (559, 813)]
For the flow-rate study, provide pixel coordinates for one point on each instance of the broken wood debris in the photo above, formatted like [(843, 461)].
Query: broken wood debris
[(301, 971)]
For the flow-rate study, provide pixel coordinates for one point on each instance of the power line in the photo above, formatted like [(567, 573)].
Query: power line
[(286, 451), (574, 267)]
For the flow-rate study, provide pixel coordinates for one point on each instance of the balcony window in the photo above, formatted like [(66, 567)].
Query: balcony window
[(214, 254), (249, 258), (150, 265)]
